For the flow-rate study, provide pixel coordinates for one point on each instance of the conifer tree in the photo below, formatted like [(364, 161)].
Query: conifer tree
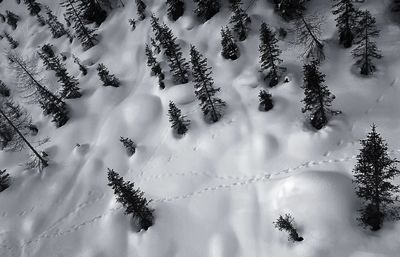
[(290, 9), (57, 28), (286, 223), (395, 5), (318, 99), (206, 9), (85, 34), (240, 21), (132, 22), (129, 145), (4, 180), (211, 106), (175, 10), (4, 90), (90, 11), (374, 174), (141, 9), (12, 19), (155, 46), (366, 49), (36, 92), (345, 21), (82, 68), (69, 83), (33, 7), (269, 55), (40, 20), (13, 44), (132, 199), (266, 102), (107, 78), (178, 121), (155, 66), (230, 50)]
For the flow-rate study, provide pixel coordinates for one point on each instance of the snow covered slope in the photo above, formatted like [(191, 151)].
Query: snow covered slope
[(217, 190)]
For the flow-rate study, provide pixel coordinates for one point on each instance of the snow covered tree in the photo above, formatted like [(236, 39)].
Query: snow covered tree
[(178, 121), (132, 22), (269, 55), (308, 33), (155, 66), (318, 99), (28, 81), (69, 83), (230, 50), (266, 102), (129, 145), (82, 68), (211, 106), (141, 9), (90, 11), (33, 7), (345, 21), (4, 90), (290, 9), (57, 28), (40, 19), (85, 34), (374, 174), (132, 199), (240, 21), (175, 10), (206, 9), (4, 180), (286, 223), (12, 19), (366, 48), (107, 78), (156, 47), (13, 43)]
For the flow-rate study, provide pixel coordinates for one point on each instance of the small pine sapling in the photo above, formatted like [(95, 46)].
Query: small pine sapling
[(178, 121), (230, 50), (107, 78), (129, 145), (82, 68), (286, 223), (4, 180), (266, 102), (132, 23)]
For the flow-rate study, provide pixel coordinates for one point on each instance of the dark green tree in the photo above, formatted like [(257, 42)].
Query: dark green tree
[(230, 50), (240, 21), (4, 180), (141, 9), (12, 19), (129, 145), (33, 7), (318, 99), (132, 199), (345, 21), (107, 78), (91, 11), (290, 9), (206, 9), (82, 67), (373, 175), (57, 28), (155, 66), (178, 121), (269, 55), (175, 10), (366, 49), (13, 43), (286, 223), (4, 90), (266, 102), (211, 105)]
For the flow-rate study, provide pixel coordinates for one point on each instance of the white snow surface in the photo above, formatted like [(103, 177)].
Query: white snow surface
[(216, 190)]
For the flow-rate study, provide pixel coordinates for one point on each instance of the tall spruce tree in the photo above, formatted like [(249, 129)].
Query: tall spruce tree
[(318, 99), (269, 55), (211, 105), (13, 43), (230, 50), (85, 34), (175, 10), (345, 21), (12, 19), (286, 223), (206, 9), (366, 49), (240, 21), (56, 27), (33, 7), (373, 176), (132, 199), (52, 62), (107, 78), (178, 121), (141, 9), (290, 9), (4, 180)]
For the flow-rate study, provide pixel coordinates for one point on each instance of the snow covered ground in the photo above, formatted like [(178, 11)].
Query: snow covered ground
[(217, 190)]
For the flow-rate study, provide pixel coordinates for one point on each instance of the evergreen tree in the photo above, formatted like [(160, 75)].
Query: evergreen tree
[(156, 46), (240, 21), (141, 9), (396, 5), (129, 145), (33, 7), (366, 49), (4, 180), (57, 28), (82, 68), (230, 50), (266, 102), (286, 223), (175, 10), (290, 9), (155, 66), (210, 105), (132, 199), (90, 11), (13, 44), (4, 90), (206, 9), (31, 85), (69, 83), (12, 19), (85, 34), (269, 55), (345, 21), (40, 20), (178, 121), (318, 99), (374, 174), (132, 22), (107, 78)]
